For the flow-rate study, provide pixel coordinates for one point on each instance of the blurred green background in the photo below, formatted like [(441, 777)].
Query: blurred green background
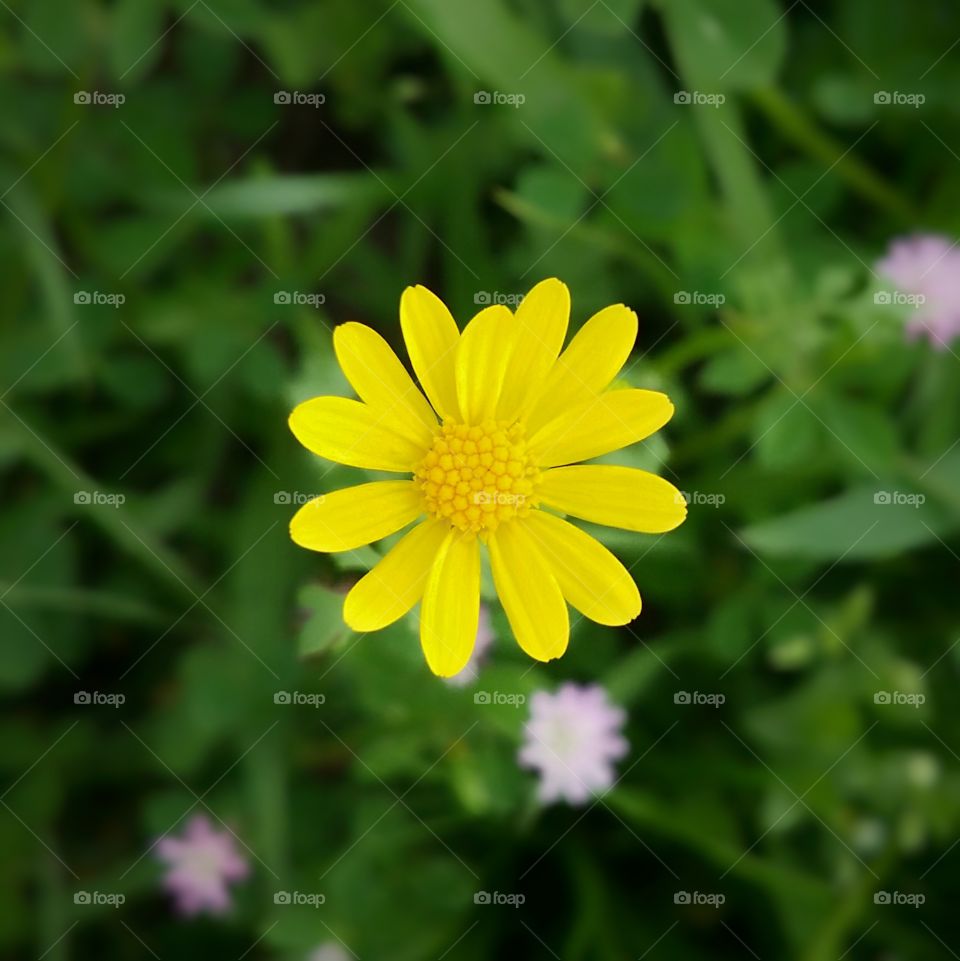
[(173, 266)]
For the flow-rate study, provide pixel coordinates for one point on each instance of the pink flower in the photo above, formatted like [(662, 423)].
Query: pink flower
[(572, 740), (202, 863), (927, 266), (471, 670)]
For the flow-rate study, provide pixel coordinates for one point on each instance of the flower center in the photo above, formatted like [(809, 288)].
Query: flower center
[(477, 476)]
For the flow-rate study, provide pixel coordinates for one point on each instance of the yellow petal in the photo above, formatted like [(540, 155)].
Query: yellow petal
[(592, 359), (450, 612), (352, 433), (599, 425), (529, 592), (481, 362), (380, 380), (355, 516), (590, 577), (396, 582), (634, 500), (539, 327), (431, 336)]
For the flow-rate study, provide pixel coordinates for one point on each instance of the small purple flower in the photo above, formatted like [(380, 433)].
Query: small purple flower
[(471, 670), (201, 863), (572, 739), (927, 266)]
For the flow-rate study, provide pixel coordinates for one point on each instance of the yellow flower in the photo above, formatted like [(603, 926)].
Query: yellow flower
[(508, 414)]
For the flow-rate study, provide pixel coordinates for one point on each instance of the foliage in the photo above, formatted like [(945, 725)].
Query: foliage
[(149, 476)]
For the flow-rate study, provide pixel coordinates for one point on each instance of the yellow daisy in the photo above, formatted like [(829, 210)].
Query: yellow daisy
[(505, 417)]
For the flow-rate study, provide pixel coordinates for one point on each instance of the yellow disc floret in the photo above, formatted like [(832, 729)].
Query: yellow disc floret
[(477, 476)]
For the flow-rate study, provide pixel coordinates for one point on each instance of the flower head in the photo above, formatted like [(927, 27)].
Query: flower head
[(492, 444), (927, 267), (572, 740), (201, 864)]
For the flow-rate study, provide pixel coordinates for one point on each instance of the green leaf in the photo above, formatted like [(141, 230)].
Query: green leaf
[(40, 248), (731, 44), (785, 431), (52, 36), (35, 555), (495, 49), (860, 432), (266, 196), (734, 372), (324, 626), (548, 187), (136, 38), (610, 18), (866, 522)]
